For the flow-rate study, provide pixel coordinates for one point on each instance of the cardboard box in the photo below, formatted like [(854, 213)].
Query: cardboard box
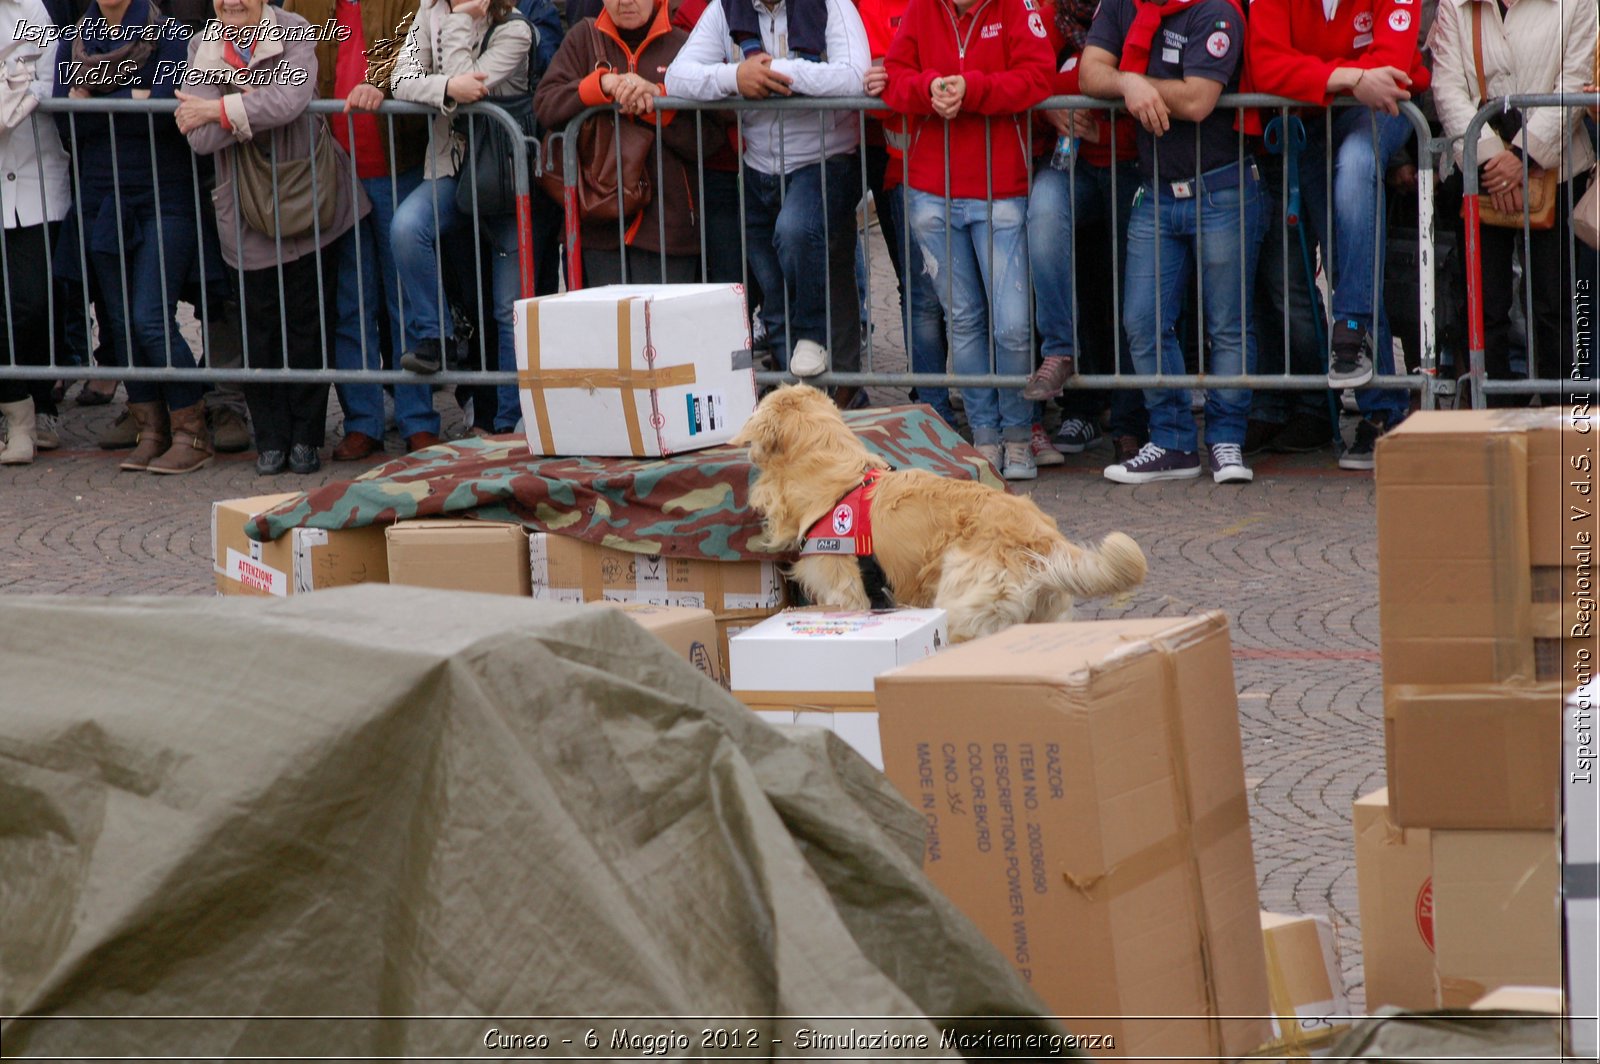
[(459, 555), (1581, 869), (1083, 790), (1484, 757), (1546, 999), (1474, 538), (1394, 881), (634, 370), (1309, 1006), (739, 594), (778, 666), (300, 560), (1496, 912), (691, 633)]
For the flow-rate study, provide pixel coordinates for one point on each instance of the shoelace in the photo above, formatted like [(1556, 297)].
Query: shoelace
[(1148, 453), (1075, 424), (1228, 454)]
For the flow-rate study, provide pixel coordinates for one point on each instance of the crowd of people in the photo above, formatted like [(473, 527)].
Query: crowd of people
[(1025, 243)]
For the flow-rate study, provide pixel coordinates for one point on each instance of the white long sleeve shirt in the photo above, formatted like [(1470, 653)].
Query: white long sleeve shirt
[(33, 172), (780, 142), (1541, 46)]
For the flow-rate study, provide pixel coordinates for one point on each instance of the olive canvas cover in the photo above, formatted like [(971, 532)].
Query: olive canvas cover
[(389, 803)]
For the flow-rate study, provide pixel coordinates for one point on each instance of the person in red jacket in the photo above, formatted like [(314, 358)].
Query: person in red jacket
[(1316, 50), (966, 72)]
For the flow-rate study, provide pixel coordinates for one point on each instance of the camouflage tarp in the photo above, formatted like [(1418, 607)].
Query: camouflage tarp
[(690, 505)]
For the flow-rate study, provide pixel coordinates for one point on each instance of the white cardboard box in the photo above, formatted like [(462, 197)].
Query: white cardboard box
[(634, 370), (1581, 869), (817, 667)]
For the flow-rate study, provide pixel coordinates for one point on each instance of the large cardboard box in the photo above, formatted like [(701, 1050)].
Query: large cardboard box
[(1482, 560), (1394, 882), (1581, 869), (738, 594), (1496, 912), (459, 555), (1083, 790), (692, 633), (1309, 1006), (634, 370), (1484, 757), (817, 667), (300, 560)]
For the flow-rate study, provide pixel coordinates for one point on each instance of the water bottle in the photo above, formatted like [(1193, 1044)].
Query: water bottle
[(1066, 151)]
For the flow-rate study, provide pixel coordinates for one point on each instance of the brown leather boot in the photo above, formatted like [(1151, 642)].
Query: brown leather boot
[(155, 435), (191, 442)]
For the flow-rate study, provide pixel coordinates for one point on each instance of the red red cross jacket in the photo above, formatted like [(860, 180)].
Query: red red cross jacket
[(1002, 49), (1294, 46)]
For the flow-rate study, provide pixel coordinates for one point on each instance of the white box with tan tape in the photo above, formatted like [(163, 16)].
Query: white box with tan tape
[(641, 371)]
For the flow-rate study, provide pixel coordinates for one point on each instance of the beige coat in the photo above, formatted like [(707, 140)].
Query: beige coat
[(274, 109), (442, 44), (1541, 46)]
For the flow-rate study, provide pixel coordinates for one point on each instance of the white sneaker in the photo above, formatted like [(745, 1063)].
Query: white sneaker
[(1019, 461), (810, 358), (46, 433), (991, 454)]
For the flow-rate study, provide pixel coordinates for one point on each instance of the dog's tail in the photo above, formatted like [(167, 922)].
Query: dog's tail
[(1117, 565)]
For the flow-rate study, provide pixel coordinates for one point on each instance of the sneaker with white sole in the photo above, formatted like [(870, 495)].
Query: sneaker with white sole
[(1076, 435), (1019, 461), (991, 454), (47, 432), (810, 358), (1154, 462), (1361, 454), (1226, 461), (1350, 363), (1044, 452)]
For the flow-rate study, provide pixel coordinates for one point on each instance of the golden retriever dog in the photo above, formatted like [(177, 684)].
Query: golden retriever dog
[(988, 558)]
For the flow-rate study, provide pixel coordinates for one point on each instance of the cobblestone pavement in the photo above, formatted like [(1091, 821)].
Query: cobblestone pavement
[(1290, 559)]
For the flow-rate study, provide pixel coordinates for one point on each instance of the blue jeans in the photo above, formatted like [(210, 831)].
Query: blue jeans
[(1062, 201), (414, 237), (784, 225), (1363, 143), (1283, 294), (981, 298), (1180, 233), (922, 317), (148, 318), (360, 292)]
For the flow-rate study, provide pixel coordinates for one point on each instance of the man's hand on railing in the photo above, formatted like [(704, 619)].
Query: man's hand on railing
[(1381, 88), (1080, 124), (757, 80), (947, 94), (364, 98), (194, 112), (1145, 104), (468, 87)]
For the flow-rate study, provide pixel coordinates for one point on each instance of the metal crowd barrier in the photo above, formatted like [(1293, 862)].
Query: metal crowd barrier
[(817, 109), (1582, 377), (204, 298)]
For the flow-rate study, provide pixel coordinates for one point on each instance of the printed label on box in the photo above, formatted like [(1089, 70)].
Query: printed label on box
[(663, 597), (708, 412), (770, 595), (251, 573), (557, 594)]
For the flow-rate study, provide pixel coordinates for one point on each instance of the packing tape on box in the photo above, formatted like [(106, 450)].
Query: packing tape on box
[(537, 379), (1295, 1040)]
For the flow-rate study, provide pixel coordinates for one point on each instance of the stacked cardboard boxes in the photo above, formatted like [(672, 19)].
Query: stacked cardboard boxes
[(1484, 550), (1083, 790), (301, 560)]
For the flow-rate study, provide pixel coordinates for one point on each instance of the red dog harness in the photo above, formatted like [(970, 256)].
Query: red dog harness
[(847, 528)]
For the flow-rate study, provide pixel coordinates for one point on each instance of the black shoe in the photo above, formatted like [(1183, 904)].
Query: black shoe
[(1302, 434), (270, 463), (426, 357), (1362, 453), (1350, 365), (303, 458), (1259, 435)]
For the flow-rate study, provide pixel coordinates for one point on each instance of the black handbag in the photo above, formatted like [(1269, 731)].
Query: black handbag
[(486, 174)]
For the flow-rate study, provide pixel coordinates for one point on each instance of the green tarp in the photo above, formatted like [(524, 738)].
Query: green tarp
[(385, 802)]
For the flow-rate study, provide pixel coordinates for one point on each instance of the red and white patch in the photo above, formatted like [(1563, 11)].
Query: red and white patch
[(1218, 44), (1036, 24), (844, 519), (1363, 22), (1400, 21)]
